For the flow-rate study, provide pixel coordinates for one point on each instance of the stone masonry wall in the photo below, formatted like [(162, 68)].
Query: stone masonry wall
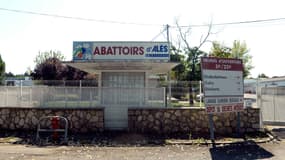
[(185, 120), (80, 120)]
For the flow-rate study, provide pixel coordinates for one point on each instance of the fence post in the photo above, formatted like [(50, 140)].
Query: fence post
[(65, 95), (259, 102), (80, 94), (200, 90), (165, 97), (31, 96), (80, 87), (7, 96), (274, 105), (21, 86), (90, 99), (21, 92), (169, 89), (42, 97)]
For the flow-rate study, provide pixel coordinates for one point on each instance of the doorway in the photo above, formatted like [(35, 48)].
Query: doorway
[(121, 90)]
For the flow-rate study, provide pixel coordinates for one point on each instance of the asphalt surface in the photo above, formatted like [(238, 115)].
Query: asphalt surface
[(252, 151), (249, 150), (245, 151)]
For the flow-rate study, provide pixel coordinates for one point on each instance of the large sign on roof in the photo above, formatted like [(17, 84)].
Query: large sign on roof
[(83, 51), (222, 84)]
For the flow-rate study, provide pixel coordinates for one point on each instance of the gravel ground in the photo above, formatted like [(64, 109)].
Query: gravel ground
[(173, 152), (121, 146)]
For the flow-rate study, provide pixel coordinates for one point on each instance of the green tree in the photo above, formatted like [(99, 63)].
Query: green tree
[(241, 51), (2, 70), (262, 75), (178, 72), (193, 63), (220, 50), (10, 74), (238, 50), (192, 54)]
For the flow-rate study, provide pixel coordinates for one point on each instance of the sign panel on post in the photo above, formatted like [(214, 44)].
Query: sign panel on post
[(84, 50), (223, 84)]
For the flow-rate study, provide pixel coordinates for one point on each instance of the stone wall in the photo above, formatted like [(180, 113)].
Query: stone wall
[(80, 120), (144, 120), (185, 120)]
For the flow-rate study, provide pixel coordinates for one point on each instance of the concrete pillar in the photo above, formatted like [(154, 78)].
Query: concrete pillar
[(146, 87), (99, 88)]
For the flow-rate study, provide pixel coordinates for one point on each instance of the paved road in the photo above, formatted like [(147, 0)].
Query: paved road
[(277, 131), (177, 152), (274, 150)]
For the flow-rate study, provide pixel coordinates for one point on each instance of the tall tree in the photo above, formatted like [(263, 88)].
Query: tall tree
[(241, 51), (43, 56), (193, 55), (193, 63), (220, 50), (178, 72), (2, 70), (238, 50)]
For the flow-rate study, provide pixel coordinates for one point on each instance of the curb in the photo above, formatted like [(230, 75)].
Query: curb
[(271, 135), (218, 142)]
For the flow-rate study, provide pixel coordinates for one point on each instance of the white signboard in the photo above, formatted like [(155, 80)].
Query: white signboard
[(222, 84), (83, 51)]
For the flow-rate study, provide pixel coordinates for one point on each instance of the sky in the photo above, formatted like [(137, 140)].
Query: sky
[(23, 36)]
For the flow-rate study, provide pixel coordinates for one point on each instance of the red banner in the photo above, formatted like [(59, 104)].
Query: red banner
[(224, 108), (213, 63)]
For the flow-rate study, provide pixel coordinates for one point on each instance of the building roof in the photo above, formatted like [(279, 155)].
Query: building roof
[(99, 66)]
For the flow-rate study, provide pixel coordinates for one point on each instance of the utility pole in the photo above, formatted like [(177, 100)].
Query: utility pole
[(167, 35), (169, 78)]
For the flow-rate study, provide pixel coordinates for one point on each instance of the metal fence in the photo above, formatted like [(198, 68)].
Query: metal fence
[(88, 94), (57, 96), (268, 96), (272, 104)]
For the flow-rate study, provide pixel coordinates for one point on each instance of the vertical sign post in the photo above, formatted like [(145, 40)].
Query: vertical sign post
[(223, 86)]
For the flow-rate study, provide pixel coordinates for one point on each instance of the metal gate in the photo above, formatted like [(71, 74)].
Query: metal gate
[(121, 90), (272, 102)]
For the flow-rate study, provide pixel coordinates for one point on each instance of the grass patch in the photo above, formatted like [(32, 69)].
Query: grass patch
[(186, 104), (10, 139)]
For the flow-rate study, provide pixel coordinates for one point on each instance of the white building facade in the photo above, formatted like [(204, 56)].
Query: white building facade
[(124, 70)]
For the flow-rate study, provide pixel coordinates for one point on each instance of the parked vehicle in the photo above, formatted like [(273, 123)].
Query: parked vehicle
[(198, 97)]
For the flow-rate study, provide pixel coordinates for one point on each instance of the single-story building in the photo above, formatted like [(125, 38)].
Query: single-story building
[(124, 70)]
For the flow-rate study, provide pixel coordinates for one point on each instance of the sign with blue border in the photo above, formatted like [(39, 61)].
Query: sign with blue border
[(85, 50)]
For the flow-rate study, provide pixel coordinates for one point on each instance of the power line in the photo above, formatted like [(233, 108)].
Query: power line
[(236, 23), (142, 24), (77, 18), (158, 34)]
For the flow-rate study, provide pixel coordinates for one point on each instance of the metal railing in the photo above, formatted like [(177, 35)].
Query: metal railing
[(62, 97), (85, 93)]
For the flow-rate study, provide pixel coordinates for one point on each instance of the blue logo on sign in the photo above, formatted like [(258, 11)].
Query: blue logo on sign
[(82, 50), (157, 51)]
